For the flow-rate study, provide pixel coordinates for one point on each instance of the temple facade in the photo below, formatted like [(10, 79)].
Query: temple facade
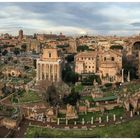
[(49, 65)]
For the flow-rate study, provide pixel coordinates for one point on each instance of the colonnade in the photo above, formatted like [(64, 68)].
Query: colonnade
[(50, 71)]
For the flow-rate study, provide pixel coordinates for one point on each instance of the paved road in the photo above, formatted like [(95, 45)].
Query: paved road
[(23, 127)]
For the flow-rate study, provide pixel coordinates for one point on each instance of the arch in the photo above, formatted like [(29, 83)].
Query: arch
[(136, 45)]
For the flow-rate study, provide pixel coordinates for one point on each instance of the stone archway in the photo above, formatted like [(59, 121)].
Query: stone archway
[(136, 46)]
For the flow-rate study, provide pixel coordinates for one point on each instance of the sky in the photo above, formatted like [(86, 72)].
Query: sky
[(70, 18)]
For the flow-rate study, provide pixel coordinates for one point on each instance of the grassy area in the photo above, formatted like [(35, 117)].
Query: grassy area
[(31, 96), (78, 87), (87, 117), (126, 130), (131, 87), (118, 112), (89, 98)]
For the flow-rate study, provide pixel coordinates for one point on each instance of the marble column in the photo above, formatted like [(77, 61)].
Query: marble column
[(40, 71), (66, 121), (131, 114), (49, 78), (45, 70), (100, 120), (83, 121), (53, 72), (58, 72), (37, 72), (128, 77), (122, 75), (114, 117), (91, 120), (58, 121), (107, 119)]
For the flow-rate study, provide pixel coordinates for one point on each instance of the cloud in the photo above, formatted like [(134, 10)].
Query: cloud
[(70, 18), (137, 24)]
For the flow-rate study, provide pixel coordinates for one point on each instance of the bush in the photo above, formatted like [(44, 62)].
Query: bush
[(4, 52), (108, 84), (62, 46), (90, 78)]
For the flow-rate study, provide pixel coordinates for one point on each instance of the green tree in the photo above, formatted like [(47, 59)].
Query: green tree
[(4, 52), (82, 48), (24, 47), (129, 66), (119, 47), (90, 78), (69, 76), (16, 51), (72, 98), (70, 58), (63, 46)]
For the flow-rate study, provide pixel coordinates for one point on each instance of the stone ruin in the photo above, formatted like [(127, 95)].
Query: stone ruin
[(96, 91), (132, 103), (71, 112), (51, 114)]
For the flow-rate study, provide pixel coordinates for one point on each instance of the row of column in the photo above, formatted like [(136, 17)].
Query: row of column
[(128, 76), (50, 72)]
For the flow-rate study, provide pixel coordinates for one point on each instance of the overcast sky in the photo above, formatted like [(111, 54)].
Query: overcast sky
[(70, 18)]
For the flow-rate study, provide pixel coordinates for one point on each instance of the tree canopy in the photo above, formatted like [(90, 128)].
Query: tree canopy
[(63, 46), (88, 80), (119, 47), (16, 51), (72, 98), (4, 52), (69, 76), (24, 47), (70, 58), (82, 48)]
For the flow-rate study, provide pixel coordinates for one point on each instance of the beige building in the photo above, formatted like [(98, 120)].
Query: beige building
[(103, 45), (85, 62), (107, 64), (49, 65)]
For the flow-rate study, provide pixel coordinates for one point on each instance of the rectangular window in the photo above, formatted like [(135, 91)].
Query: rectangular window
[(112, 58), (49, 55)]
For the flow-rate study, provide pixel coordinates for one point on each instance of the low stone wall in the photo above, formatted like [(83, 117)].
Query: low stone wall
[(62, 111), (98, 108)]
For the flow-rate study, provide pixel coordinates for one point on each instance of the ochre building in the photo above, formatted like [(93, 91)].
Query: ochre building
[(106, 64)]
